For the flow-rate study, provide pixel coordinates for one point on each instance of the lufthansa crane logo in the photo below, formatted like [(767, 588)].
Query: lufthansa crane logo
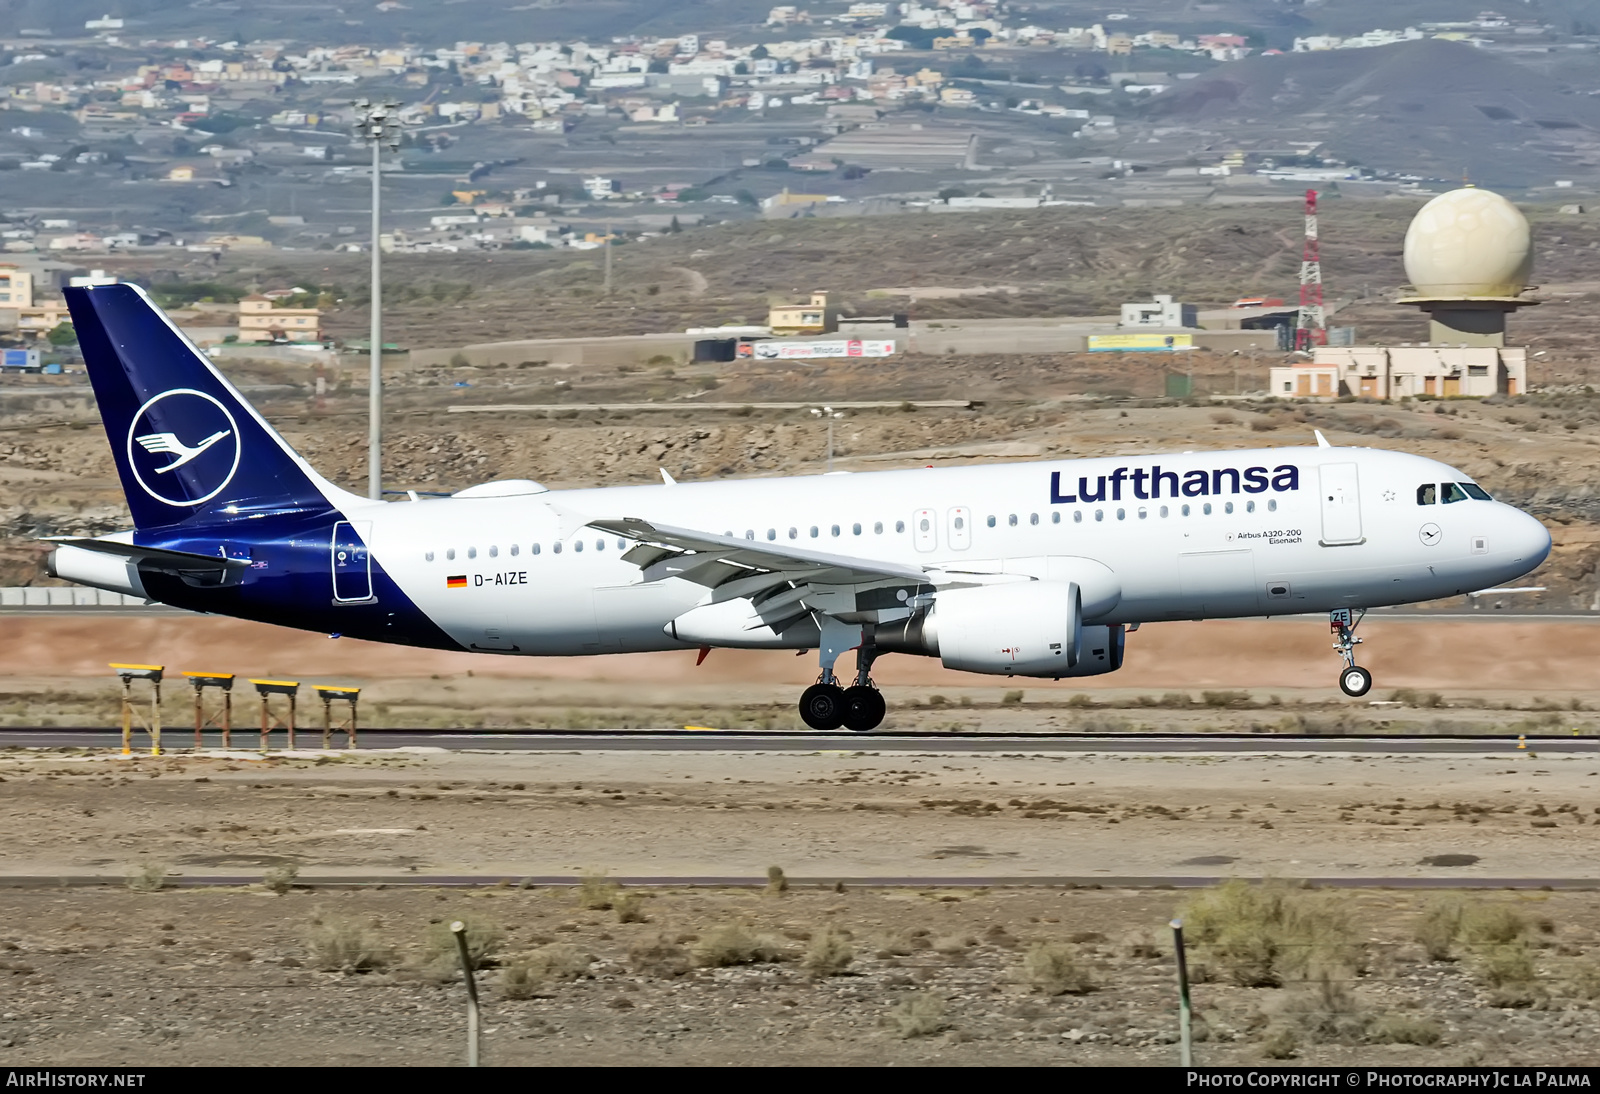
[(183, 447)]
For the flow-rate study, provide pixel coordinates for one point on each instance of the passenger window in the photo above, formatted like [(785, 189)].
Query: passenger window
[(1142, 513), (577, 545), (1272, 505), (1427, 494), (1077, 516), (450, 555), (1475, 491), (599, 545), (855, 529), (556, 547), (428, 556), (1227, 507), (1055, 518), (794, 533), (1454, 493), (534, 549), (1122, 514), (1163, 510), (1012, 520), (923, 525), (1206, 509), (472, 552), (1185, 510), (1033, 518), (772, 533), (749, 533), (515, 550), (961, 522), (899, 526), (621, 543), (991, 522), (835, 529), (1099, 514), (877, 529), (494, 552), (813, 531), (1249, 507)]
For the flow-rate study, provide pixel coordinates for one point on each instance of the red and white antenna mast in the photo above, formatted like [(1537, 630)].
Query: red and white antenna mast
[(1311, 328)]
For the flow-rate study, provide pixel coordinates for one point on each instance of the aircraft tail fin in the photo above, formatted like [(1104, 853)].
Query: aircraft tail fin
[(188, 447)]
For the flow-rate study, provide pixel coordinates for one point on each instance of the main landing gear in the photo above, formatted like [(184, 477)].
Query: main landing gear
[(860, 707), (1354, 681)]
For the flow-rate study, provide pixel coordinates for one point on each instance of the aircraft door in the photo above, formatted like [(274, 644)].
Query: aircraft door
[(923, 534), (1341, 504), (351, 562), (960, 530)]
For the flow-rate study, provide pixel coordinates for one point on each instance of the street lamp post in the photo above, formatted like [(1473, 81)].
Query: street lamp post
[(831, 415), (378, 124)]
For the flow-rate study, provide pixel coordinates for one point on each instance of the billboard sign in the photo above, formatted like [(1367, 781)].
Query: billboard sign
[(1140, 342), (789, 351)]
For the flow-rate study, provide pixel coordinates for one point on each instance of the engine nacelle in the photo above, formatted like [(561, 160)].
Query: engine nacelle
[(1024, 628), (1101, 651)]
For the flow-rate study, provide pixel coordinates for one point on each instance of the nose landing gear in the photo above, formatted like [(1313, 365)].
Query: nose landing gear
[(1354, 681)]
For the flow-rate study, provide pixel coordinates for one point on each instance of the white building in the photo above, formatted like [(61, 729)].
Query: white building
[(1160, 311), (1399, 372)]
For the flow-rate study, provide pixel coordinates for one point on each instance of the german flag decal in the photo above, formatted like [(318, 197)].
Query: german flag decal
[(457, 582)]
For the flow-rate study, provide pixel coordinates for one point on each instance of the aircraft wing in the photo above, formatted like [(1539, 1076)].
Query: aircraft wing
[(712, 560)]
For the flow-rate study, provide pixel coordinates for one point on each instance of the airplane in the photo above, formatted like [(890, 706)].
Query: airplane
[(1037, 569)]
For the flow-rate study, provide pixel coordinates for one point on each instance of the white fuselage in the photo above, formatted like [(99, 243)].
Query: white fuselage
[(1346, 529)]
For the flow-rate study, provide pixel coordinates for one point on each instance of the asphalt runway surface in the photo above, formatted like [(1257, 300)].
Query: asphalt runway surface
[(669, 740)]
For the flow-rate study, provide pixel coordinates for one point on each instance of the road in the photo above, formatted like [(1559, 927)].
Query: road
[(667, 740)]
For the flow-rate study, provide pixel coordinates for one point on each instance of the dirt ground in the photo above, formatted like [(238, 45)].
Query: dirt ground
[(239, 976), (1434, 675)]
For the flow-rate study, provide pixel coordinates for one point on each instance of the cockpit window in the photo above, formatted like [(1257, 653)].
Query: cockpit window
[(1453, 493), (1475, 491), (1427, 494)]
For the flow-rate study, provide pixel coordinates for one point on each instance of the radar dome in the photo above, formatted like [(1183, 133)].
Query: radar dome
[(1468, 243)]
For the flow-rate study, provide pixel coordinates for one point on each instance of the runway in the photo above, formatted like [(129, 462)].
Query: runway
[(677, 740)]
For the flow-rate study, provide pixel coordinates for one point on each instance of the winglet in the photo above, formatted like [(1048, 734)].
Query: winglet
[(1322, 442), (667, 479)]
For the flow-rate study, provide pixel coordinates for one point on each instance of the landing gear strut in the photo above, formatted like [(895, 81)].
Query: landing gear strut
[(860, 707), (1354, 681)]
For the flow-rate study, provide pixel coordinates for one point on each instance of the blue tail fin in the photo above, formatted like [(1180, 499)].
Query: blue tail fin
[(188, 447)]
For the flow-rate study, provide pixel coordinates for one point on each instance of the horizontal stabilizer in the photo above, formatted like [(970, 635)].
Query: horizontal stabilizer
[(155, 558)]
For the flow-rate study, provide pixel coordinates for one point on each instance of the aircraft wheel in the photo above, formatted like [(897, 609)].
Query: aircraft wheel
[(1355, 681), (864, 708), (822, 706)]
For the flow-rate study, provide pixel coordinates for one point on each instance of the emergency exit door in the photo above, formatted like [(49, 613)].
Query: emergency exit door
[(1341, 504)]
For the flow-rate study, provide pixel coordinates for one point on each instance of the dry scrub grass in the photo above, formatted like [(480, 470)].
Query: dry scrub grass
[(829, 953), (484, 938), (919, 1015), (148, 877), (527, 975), (280, 879), (1260, 936), (345, 945), (659, 956), (734, 944), (1054, 968), (596, 892)]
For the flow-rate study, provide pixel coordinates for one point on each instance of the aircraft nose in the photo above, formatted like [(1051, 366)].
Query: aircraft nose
[(1528, 539)]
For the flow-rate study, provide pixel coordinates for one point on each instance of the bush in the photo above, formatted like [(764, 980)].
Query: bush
[(777, 882), (1507, 968), (1439, 928), (148, 877), (520, 980), (1492, 924), (1280, 1044), (1402, 1029), (735, 945), (919, 1015), (280, 879), (343, 945), (1325, 1010), (658, 956), (527, 975), (629, 907), (1011, 699), (596, 892), (1261, 935), (1054, 968), (828, 953)]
